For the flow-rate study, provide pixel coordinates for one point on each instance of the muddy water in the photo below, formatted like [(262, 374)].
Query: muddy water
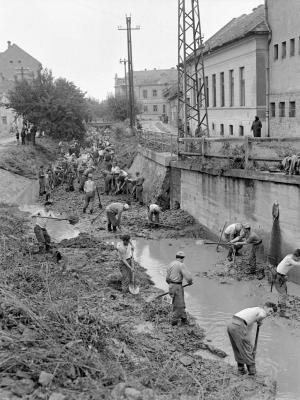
[(58, 230), (213, 303)]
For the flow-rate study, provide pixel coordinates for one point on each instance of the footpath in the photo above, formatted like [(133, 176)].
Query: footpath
[(68, 332)]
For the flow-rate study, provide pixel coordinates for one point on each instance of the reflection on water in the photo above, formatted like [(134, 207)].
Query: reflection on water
[(58, 230), (213, 304)]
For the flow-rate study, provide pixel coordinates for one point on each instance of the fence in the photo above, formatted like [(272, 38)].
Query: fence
[(262, 153)]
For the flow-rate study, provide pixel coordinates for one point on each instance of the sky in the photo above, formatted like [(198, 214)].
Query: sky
[(79, 39)]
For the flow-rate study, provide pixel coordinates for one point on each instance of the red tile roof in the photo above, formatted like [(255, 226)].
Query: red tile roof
[(155, 77)]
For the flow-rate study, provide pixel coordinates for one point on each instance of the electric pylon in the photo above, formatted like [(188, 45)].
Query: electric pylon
[(192, 99)]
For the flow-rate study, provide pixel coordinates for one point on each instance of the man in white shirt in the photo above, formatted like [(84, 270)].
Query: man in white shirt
[(40, 230), (176, 272), (89, 190), (282, 270), (125, 251), (239, 332), (232, 232), (153, 211)]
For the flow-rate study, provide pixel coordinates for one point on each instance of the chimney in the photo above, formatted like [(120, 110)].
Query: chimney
[(8, 44)]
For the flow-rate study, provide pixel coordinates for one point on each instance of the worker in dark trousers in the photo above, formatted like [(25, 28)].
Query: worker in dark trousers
[(176, 272), (90, 192), (40, 230), (239, 330)]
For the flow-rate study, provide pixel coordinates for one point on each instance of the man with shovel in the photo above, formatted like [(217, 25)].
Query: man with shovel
[(114, 213), (125, 251), (176, 271), (239, 332), (40, 230)]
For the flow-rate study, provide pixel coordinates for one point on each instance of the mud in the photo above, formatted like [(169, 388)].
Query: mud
[(70, 319)]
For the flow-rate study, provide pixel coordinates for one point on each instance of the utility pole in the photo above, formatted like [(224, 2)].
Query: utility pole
[(192, 91), (130, 68), (124, 61)]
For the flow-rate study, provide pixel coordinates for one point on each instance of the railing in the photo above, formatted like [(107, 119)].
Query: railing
[(158, 141), (243, 152)]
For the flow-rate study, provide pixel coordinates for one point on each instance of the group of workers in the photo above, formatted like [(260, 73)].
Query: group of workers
[(82, 163)]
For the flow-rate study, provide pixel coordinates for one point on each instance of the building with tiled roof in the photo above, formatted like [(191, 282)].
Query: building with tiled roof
[(149, 86), (235, 62), (15, 64)]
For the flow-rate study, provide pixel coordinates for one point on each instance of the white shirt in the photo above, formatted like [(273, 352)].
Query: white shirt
[(233, 229), (42, 222), (286, 264), (154, 207), (251, 315), (125, 252), (115, 170), (89, 186)]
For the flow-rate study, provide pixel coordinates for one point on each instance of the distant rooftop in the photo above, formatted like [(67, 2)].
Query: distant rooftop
[(239, 28), (154, 77)]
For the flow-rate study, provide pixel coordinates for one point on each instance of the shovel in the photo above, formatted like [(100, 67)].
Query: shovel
[(73, 219), (153, 298), (256, 340), (217, 248)]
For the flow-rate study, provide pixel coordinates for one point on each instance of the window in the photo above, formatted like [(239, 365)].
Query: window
[(222, 129), (164, 108), (242, 86), (283, 50), (275, 51), (292, 47), (213, 126), (272, 110), (299, 45), (4, 120), (207, 91), (231, 130), (241, 130), (292, 109), (154, 93), (155, 109), (214, 89), (231, 88), (145, 94), (145, 108), (11, 61), (282, 109), (222, 90)]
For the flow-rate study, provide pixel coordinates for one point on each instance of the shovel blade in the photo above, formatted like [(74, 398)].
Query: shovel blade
[(133, 289)]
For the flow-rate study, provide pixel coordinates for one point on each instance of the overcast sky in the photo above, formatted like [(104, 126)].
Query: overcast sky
[(79, 39)]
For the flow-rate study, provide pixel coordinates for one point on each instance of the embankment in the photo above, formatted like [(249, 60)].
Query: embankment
[(235, 196)]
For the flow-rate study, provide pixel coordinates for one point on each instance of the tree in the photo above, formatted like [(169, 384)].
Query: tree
[(55, 106)]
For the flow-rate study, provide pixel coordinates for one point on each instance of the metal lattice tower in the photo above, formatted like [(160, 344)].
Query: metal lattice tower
[(192, 102)]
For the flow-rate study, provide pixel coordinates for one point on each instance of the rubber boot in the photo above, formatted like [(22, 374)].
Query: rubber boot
[(241, 369), (184, 321), (174, 322), (251, 369)]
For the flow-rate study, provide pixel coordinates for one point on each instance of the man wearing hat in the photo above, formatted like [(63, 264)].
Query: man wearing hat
[(90, 191), (176, 271), (125, 251), (231, 232), (114, 214), (40, 230)]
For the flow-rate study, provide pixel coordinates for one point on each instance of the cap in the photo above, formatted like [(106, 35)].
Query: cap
[(48, 203), (246, 226), (180, 254), (90, 175), (126, 206)]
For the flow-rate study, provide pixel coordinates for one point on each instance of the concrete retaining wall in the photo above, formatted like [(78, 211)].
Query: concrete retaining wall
[(154, 167)]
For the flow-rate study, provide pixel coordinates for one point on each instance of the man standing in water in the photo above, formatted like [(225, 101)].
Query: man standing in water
[(40, 230), (176, 271), (239, 332)]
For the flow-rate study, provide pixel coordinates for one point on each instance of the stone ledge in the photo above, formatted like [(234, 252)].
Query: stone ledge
[(240, 173), (163, 159)]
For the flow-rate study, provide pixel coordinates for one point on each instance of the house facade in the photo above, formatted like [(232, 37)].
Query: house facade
[(284, 75), (235, 61), (15, 64), (149, 87)]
